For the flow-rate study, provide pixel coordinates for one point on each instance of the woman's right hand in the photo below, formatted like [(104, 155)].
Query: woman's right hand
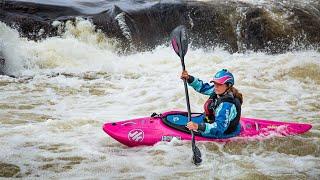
[(192, 126), (184, 75)]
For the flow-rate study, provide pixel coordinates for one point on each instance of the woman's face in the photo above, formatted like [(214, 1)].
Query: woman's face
[(220, 88)]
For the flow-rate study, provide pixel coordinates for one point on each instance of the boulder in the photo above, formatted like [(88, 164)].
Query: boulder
[(275, 27)]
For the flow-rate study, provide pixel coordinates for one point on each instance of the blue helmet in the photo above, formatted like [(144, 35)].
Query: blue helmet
[(223, 77)]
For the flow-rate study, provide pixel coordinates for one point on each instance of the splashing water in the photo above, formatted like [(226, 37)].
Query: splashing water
[(68, 86)]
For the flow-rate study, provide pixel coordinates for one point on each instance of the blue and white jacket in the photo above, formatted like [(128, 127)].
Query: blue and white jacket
[(224, 113)]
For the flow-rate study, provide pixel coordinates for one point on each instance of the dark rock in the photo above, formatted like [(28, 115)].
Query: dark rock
[(8, 170), (142, 25), (307, 23), (148, 27), (34, 20), (261, 32)]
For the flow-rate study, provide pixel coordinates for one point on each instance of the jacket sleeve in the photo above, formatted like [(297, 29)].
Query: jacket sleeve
[(223, 115), (200, 86)]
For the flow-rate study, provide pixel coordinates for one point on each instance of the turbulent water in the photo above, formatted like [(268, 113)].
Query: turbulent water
[(67, 87)]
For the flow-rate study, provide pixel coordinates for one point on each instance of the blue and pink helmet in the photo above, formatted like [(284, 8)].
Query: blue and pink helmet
[(223, 77)]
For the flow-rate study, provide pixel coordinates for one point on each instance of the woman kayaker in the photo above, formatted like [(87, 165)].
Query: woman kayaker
[(222, 109)]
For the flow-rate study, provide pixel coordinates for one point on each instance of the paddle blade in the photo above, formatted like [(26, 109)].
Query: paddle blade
[(196, 155), (179, 40)]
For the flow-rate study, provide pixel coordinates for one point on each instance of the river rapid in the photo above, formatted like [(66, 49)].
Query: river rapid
[(68, 86)]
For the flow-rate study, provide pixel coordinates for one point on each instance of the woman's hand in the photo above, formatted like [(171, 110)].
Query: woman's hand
[(184, 75), (192, 126)]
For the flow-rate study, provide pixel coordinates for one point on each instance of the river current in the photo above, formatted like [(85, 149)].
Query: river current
[(68, 86)]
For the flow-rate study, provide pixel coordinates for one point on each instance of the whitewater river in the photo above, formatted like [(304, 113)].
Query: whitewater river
[(51, 115)]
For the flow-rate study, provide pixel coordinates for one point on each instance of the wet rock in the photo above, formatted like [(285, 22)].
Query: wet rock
[(8, 170), (274, 27), (264, 32), (236, 26), (152, 25), (261, 31), (34, 20), (307, 23), (108, 21)]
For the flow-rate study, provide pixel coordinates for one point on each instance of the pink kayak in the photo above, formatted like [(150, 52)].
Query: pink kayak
[(164, 127)]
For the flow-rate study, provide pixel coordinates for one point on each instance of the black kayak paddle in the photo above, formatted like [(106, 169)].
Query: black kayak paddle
[(179, 40)]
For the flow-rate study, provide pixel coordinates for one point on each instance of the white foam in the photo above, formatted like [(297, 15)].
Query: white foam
[(77, 83)]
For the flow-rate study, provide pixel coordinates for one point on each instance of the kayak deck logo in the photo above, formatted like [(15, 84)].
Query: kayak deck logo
[(136, 135)]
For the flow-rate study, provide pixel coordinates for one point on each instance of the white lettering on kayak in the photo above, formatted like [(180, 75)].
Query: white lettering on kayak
[(175, 119), (136, 135)]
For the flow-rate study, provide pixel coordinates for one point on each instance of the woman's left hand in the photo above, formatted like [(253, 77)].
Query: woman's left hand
[(192, 126)]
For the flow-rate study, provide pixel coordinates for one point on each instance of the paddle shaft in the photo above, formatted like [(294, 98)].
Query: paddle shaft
[(187, 99)]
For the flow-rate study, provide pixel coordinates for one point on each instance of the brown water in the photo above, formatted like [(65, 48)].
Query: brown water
[(52, 115)]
